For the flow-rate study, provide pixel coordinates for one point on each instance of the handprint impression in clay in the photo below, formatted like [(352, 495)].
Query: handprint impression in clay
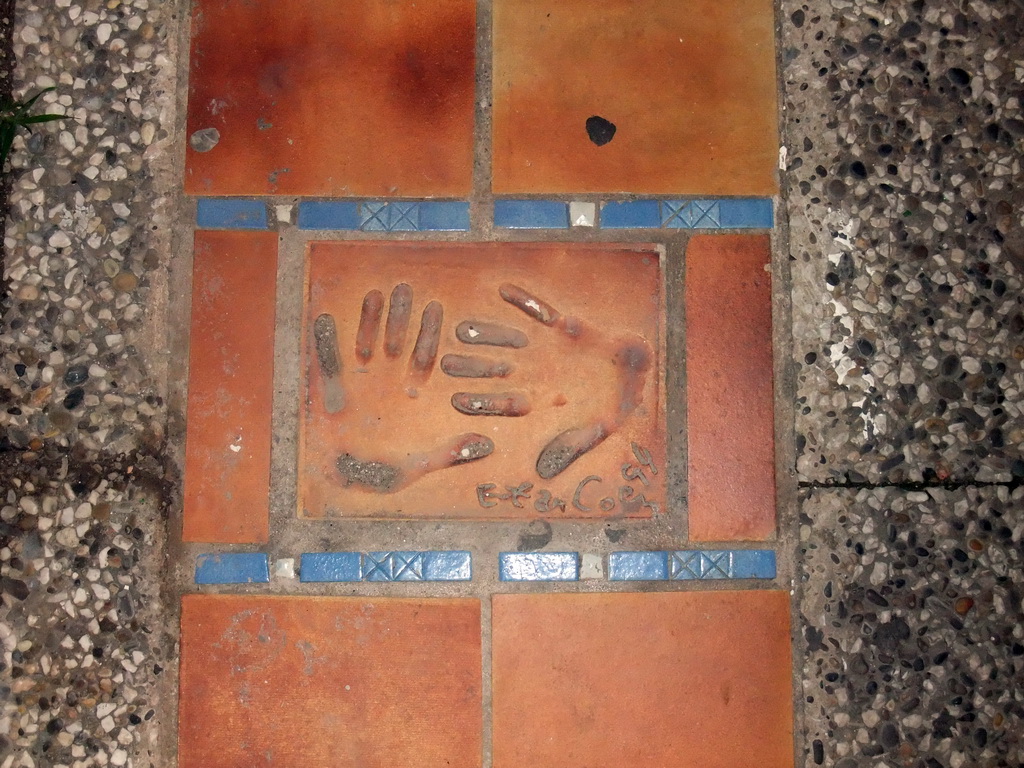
[(631, 358)]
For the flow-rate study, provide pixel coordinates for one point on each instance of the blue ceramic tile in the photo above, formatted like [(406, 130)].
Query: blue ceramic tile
[(444, 216), (692, 565), (638, 566), (389, 217), (393, 566), (531, 214), (230, 213), (637, 214), (539, 566), (380, 216), (316, 214), (233, 568), (753, 564), (691, 214), (330, 566), (711, 564), (750, 213), (387, 566), (447, 566)]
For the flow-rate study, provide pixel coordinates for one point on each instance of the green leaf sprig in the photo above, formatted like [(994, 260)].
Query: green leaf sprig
[(15, 115)]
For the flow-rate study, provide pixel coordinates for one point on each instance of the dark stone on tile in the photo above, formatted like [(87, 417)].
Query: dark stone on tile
[(600, 130)]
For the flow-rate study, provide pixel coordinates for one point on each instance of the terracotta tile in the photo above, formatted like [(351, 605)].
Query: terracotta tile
[(729, 394), (364, 97), (292, 681), (690, 89), (230, 387), (481, 418), (662, 679)]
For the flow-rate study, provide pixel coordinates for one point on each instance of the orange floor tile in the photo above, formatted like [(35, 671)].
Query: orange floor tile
[(690, 91), (729, 395), (294, 682), (651, 680), (482, 381), (318, 97), (231, 388)]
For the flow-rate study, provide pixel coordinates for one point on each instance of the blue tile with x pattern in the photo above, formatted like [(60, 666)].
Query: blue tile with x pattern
[(433, 565), (393, 566), (690, 214), (692, 565), (389, 217)]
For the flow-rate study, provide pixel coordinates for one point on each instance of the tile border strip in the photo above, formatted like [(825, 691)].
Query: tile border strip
[(457, 565), (692, 565), (732, 213), (384, 216), (432, 565), (539, 566), (233, 568), (695, 214), (453, 215)]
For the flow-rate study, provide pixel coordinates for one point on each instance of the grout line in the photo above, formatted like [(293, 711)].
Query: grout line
[(481, 213), (486, 684), (286, 403)]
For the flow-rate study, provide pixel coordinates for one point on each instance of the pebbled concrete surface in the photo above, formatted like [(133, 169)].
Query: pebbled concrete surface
[(903, 139), (902, 131)]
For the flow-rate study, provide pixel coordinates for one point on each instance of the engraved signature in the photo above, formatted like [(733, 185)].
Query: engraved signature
[(588, 492)]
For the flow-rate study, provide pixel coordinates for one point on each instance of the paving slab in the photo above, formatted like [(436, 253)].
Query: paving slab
[(320, 98), (600, 96), (230, 395), (642, 679), (730, 403), (329, 681)]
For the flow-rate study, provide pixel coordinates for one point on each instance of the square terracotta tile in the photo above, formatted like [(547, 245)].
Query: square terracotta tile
[(293, 681), (730, 402), (653, 98), (318, 97), (481, 381), (230, 387), (660, 679)]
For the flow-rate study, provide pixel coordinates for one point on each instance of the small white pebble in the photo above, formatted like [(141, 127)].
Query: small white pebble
[(59, 240)]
